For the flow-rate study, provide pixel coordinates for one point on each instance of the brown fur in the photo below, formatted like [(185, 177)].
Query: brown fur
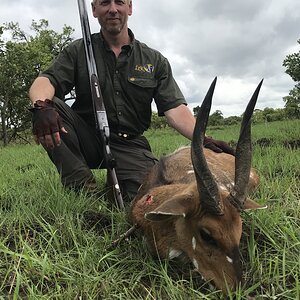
[(168, 210)]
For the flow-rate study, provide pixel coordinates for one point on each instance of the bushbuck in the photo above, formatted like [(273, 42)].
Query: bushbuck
[(190, 202)]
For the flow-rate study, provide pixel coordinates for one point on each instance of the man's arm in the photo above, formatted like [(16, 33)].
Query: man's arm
[(41, 89), (181, 119), (46, 121)]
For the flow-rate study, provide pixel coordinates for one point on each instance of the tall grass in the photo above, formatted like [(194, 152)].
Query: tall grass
[(54, 244)]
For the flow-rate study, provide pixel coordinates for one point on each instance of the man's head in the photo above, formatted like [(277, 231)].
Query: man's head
[(112, 15)]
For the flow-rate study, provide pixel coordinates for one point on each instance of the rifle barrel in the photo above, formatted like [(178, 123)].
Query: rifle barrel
[(97, 99)]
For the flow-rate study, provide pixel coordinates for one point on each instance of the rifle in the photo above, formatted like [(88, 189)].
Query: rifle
[(98, 102)]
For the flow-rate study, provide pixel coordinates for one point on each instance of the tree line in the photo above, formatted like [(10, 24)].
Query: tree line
[(24, 55)]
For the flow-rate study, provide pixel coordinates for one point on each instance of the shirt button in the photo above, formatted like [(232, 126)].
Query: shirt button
[(119, 113), (117, 93), (117, 71)]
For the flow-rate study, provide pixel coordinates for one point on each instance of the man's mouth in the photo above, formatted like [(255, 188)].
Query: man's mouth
[(113, 19)]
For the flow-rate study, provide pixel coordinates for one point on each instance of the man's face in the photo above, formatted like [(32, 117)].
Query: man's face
[(112, 14)]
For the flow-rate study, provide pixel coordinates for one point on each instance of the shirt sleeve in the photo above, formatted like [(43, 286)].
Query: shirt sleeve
[(61, 72), (168, 94)]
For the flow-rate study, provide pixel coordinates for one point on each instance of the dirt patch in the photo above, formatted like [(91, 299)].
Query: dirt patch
[(97, 221), (292, 144), (25, 168), (264, 142)]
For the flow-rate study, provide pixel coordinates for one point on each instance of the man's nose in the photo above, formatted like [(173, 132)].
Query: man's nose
[(113, 7)]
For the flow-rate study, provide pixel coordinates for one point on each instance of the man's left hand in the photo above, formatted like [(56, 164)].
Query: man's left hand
[(217, 146)]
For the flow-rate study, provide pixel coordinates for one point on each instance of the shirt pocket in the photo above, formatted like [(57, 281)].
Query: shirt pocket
[(143, 82), (141, 90)]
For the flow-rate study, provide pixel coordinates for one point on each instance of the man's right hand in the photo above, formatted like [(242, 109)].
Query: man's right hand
[(46, 124), (217, 146)]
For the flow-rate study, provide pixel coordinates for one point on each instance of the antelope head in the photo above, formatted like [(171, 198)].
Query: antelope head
[(196, 216)]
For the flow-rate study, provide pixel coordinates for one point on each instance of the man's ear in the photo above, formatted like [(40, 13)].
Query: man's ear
[(130, 8), (178, 206), (93, 8)]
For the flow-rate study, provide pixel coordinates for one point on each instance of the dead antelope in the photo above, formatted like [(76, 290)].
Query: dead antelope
[(190, 202)]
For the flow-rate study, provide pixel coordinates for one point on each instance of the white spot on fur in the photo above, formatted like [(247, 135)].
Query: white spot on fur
[(194, 243), (195, 264), (223, 187), (191, 172), (229, 185), (229, 259), (262, 207), (174, 253), (163, 213)]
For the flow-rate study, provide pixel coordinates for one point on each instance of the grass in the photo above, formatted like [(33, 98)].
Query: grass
[(54, 244)]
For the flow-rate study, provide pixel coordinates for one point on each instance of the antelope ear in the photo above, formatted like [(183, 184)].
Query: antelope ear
[(178, 206), (250, 204)]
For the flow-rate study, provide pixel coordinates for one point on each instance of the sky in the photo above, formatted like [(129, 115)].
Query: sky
[(240, 42)]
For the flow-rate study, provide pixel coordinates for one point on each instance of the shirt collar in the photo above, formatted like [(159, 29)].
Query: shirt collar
[(128, 48)]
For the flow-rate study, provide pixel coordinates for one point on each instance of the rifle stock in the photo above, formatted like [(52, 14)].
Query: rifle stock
[(98, 103)]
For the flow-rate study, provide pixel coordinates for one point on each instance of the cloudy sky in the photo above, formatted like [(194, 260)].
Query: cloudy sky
[(241, 42)]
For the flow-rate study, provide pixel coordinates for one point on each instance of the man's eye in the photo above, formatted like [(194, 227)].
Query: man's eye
[(104, 2), (107, 2)]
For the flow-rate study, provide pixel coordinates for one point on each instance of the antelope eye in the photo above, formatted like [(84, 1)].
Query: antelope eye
[(207, 237)]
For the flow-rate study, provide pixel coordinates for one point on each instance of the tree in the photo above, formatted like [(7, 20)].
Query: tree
[(232, 120), (158, 122), (21, 60), (196, 110), (292, 101), (216, 118)]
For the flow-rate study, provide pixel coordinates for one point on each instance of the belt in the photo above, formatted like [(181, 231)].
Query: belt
[(127, 136)]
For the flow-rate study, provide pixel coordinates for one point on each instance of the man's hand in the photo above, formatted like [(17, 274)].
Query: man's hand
[(46, 124), (217, 146)]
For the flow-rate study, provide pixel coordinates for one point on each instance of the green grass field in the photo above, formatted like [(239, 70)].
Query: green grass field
[(55, 245)]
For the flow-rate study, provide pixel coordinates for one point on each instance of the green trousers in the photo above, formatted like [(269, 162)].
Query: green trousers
[(82, 150)]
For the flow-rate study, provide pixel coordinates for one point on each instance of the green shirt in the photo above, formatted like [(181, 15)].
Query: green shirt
[(129, 83)]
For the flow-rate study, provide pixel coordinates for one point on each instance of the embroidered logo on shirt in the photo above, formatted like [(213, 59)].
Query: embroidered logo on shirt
[(148, 68)]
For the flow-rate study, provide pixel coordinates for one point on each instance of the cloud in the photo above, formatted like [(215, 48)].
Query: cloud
[(241, 42)]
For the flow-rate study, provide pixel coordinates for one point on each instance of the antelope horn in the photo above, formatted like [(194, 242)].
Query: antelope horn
[(243, 155), (206, 184)]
